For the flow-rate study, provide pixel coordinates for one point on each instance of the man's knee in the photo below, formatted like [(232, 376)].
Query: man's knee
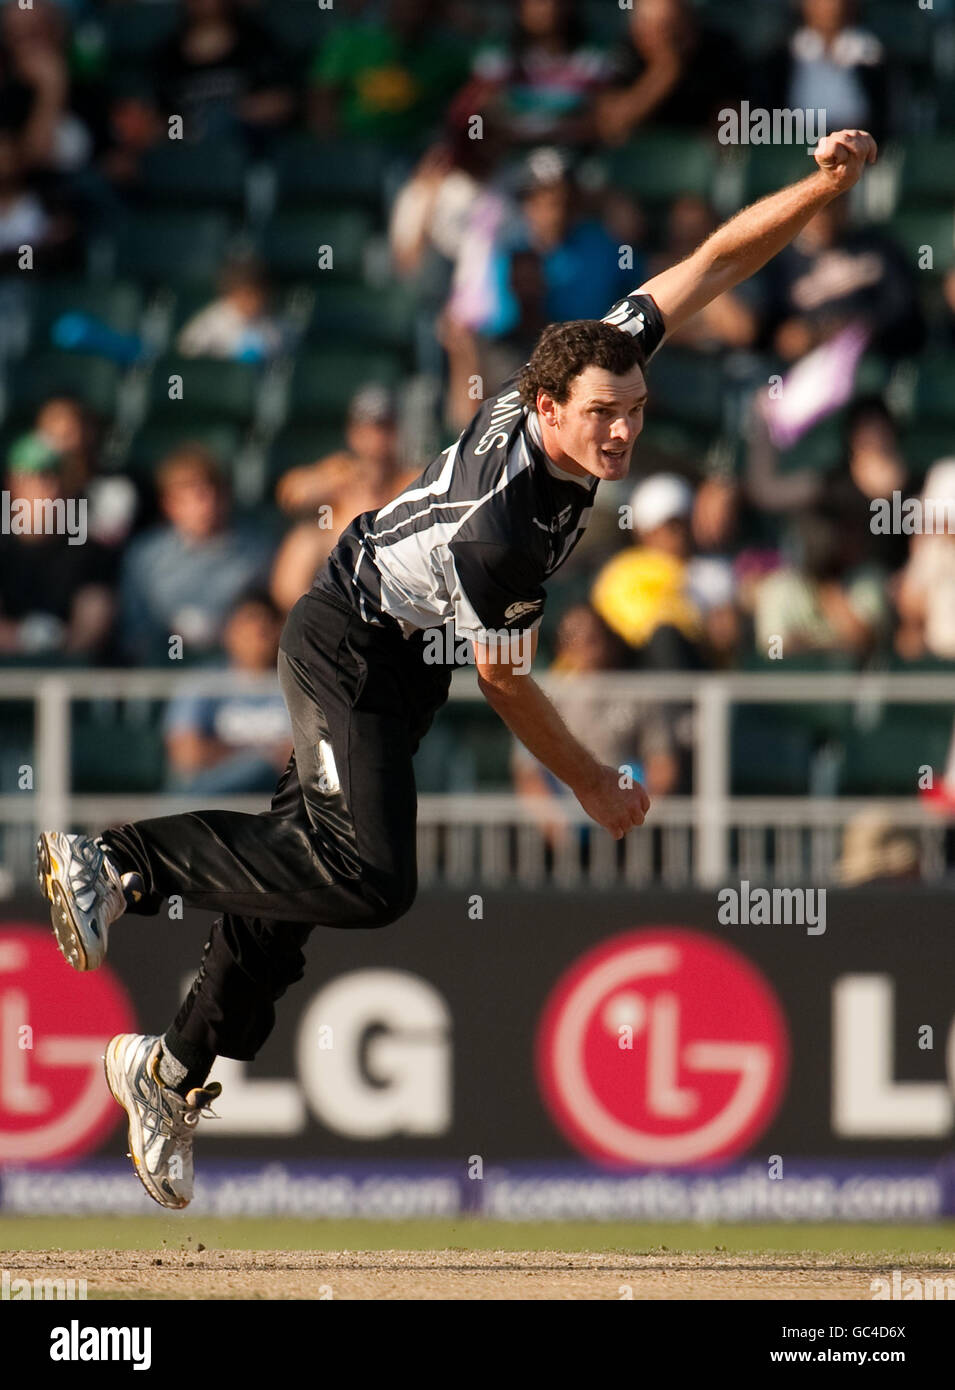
[(389, 896)]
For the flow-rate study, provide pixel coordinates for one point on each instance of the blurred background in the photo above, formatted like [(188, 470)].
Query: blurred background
[(259, 262)]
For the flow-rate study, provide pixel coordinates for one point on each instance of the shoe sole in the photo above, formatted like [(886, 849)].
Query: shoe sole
[(118, 1084), (66, 929)]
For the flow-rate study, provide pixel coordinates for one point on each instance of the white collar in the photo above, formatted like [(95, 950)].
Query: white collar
[(534, 429)]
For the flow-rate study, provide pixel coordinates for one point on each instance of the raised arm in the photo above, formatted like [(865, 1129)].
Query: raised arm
[(744, 244)]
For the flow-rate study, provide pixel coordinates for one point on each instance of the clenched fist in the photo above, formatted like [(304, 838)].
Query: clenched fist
[(618, 809), (843, 155)]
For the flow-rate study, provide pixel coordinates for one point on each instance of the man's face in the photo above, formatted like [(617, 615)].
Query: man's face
[(193, 504), (595, 429)]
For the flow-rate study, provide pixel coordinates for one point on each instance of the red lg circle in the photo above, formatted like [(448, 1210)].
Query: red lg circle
[(54, 1027), (662, 1048)]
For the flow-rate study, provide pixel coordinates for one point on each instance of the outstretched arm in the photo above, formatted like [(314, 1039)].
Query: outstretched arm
[(747, 241)]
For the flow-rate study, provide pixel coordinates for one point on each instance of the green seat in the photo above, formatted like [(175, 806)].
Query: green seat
[(925, 444), (663, 164), (769, 755), (770, 167), (917, 228), (116, 303), (165, 247), (159, 438), (688, 386), (324, 382), (358, 313), (928, 171), (935, 390), (309, 169), (885, 760), (136, 31), (37, 377), (205, 174), (908, 33), (211, 390), (298, 244), (301, 444), (117, 752), (821, 448)]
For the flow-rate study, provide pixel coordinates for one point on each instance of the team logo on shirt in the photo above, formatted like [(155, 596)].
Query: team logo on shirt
[(513, 611)]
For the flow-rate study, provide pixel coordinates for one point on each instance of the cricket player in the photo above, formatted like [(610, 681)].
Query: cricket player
[(472, 540)]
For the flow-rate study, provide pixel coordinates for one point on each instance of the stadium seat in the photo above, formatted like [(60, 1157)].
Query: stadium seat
[(925, 444), (821, 448), (915, 229), (928, 171), (115, 753), (211, 390), (300, 444), (935, 390), (660, 165), (298, 26), (769, 755), (361, 314), (771, 167), (207, 174), (292, 243), (174, 248), (310, 170), (323, 383), (885, 760), (158, 438), (687, 385), (134, 32), (33, 379), (116, 303)]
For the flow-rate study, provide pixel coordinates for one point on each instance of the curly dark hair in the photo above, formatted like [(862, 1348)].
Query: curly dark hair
[(564, 350)]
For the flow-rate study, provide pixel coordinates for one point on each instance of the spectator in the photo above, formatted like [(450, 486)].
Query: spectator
[(238, 325), (229, 744), (182, 578), (362, 477), (729, 322), (826, 602), (222, 74), (830, 65), (540, 87), (581, 262), (672, 69), (676, 610), (69, 429), (55, 584), (387, 78), (925, 597), (26, 220), (636, 737), (833, 275), (35, 88), (486, 359)]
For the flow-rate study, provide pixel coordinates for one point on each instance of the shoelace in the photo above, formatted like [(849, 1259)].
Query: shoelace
[(84, 874)]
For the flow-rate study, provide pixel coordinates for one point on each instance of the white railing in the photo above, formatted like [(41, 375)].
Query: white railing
[(497, 835)]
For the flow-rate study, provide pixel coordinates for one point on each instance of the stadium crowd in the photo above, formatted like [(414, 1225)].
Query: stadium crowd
[(258, 262)]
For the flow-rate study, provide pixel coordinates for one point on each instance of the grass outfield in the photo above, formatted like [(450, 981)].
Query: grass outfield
[(251, 1233)]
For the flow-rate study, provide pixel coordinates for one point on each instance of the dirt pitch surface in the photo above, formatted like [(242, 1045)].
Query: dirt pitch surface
[(465, 1274)]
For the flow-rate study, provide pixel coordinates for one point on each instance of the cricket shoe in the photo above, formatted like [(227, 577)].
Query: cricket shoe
[(86, 894), (162, 1123)]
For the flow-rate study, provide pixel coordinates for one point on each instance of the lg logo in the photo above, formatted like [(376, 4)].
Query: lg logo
[(373, 1055)]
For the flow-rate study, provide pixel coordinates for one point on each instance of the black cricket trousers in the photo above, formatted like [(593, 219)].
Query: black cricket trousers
[(336, 848)]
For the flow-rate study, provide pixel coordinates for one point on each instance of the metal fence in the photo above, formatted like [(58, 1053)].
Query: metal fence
[(497, 839)]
